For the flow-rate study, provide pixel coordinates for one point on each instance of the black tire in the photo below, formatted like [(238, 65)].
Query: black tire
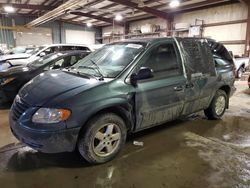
[(87, 137), (210, 112)]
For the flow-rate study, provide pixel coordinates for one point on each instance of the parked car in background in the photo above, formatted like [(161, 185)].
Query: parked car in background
[(12, 79), (15, 53), (241, 64), (122, 88), (23, 59), (19, 50)]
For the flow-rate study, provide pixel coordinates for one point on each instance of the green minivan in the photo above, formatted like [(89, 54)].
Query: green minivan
[(119, 89)]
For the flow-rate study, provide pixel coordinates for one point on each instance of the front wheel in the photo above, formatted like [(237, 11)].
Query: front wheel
[(102, 139), (218, 106)]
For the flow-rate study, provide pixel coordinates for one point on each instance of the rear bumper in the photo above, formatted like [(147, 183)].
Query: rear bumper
[(44, 141)]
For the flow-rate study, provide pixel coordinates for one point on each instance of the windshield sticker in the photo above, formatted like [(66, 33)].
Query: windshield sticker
[(137, 46)]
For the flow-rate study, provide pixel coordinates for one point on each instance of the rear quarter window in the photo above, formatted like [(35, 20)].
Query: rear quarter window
[(198, 57)]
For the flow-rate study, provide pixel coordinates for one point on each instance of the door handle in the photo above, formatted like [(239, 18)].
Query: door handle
[(178, 88)]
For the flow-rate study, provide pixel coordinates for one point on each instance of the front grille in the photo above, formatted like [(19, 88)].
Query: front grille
[(18, 108)]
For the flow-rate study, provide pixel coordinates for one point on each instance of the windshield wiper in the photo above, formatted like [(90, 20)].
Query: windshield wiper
[(72, 70), (97, 69)]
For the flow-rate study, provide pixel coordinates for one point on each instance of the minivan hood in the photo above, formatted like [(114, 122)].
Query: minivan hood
[(51, 84)]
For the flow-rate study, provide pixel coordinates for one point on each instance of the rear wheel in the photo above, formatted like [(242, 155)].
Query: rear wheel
[(103, 138), (218, 105)]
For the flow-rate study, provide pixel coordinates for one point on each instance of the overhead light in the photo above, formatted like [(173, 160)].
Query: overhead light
[(9, 9), (174, 3), (89, 24), (118, 17)]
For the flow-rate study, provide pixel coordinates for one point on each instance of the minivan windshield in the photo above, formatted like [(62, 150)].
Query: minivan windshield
[(109, 60)]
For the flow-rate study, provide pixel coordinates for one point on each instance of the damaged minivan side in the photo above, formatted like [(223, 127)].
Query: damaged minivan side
[(122, 88)]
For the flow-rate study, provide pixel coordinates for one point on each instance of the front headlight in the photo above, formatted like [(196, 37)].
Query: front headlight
[(50, 115), (5, 81)]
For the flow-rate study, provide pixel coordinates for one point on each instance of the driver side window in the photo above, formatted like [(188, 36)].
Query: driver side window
[(163, 60)]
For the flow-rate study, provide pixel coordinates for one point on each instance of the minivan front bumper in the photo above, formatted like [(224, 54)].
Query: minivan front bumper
[(45, 141)]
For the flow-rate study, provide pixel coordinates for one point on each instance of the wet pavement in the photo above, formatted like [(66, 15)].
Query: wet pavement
[(192, 152)]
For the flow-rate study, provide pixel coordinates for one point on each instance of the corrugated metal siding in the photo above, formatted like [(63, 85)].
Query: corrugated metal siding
[(6, 36), (227, 32), (58, 30)]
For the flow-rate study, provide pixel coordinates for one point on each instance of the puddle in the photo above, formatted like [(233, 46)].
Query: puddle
[(228, 162)]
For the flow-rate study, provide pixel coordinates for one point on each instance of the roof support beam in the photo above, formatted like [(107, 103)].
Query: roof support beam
[(29, 6), (26, 2), (201, 5), (146, 9), (77, 13), (33, 11), (245, 2), (108, 20), (189, 8)]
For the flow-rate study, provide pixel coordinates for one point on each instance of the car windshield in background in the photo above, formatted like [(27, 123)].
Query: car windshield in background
[(44, 60), (17, 50), (34, 51), (110, 60)]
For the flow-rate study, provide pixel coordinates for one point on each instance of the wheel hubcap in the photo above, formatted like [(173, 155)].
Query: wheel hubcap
[(220, 105), (106, 139)]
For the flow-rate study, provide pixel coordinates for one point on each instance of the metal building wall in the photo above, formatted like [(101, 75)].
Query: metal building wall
[(6, 36), (233, 35), (58, 30)]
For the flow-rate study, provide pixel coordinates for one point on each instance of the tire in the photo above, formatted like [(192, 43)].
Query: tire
[(102, 139), (218, 106)]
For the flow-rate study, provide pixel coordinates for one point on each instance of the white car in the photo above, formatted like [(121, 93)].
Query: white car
[(240, 66), (24, 59), (15, 53)]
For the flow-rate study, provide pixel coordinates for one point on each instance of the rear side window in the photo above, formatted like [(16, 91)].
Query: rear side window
[(82, 48), (220, 50), (68, 48), (198, 57)]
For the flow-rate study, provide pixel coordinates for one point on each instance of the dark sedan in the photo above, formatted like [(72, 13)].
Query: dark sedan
[(14, 78)]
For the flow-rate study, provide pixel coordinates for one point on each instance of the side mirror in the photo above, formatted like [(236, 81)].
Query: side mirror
[(143, 73), (42, 54)]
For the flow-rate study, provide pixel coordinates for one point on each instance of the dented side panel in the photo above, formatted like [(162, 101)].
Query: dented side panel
[(201, 73), (157, 101)]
